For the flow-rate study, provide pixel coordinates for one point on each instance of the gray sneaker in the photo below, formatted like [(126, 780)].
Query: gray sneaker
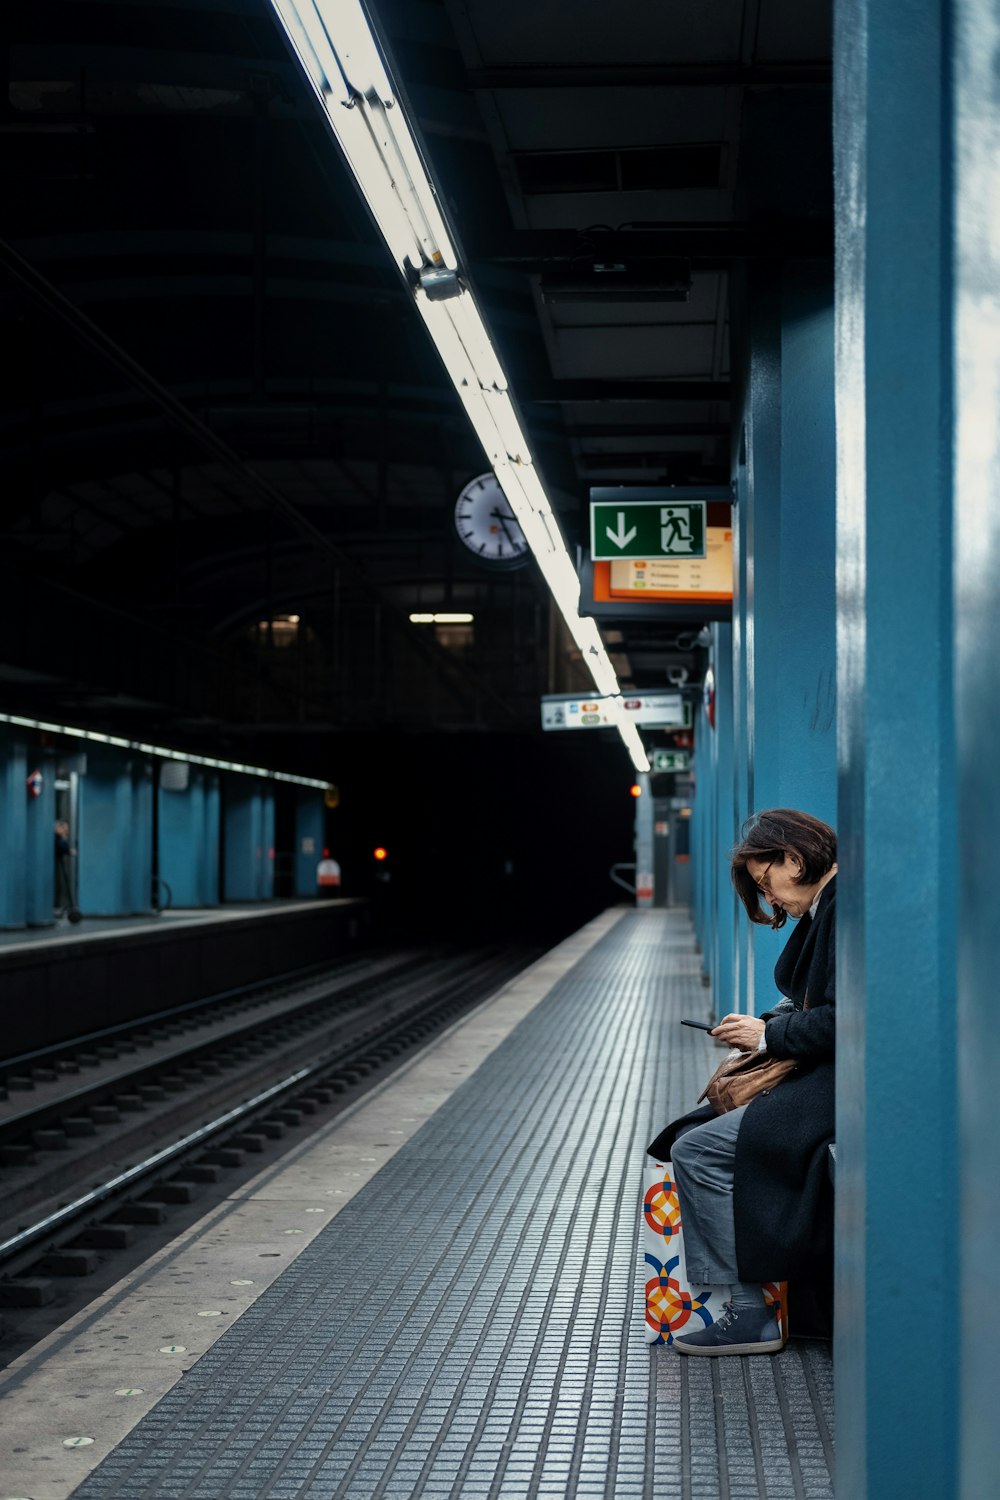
[(737, 1330)]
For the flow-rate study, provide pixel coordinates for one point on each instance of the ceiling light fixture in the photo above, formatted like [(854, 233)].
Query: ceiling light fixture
[(337, 50), (442, 619)]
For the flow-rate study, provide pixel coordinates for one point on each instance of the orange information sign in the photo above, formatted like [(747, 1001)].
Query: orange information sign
[(679, 579)]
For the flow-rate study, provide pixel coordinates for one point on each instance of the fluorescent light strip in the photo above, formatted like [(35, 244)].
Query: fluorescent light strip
[(441, 619), (334, 43), (161, 751)]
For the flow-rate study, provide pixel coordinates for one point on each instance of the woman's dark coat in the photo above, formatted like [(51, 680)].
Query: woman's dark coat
[(782, 1193)]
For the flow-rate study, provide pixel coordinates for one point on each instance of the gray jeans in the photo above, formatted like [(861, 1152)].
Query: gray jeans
[(704, 1159)]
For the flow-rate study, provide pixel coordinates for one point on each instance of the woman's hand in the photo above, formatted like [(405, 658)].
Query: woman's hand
[(744, 1032)]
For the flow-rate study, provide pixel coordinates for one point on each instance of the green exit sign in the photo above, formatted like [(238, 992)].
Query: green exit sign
[(646, 529), (671, 760)]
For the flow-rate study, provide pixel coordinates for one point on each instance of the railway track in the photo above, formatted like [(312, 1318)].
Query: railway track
[(109, 1143)]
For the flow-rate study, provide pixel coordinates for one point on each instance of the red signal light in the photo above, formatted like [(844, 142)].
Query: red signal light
[(380, 853)]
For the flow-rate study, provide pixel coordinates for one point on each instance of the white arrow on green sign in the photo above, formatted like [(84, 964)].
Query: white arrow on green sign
[(671, 760), (646, 529)]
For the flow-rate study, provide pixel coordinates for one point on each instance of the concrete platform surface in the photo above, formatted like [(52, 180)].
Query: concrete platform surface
[(463, 1316)]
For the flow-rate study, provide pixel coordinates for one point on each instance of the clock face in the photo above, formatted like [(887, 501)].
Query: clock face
[(487, 525)]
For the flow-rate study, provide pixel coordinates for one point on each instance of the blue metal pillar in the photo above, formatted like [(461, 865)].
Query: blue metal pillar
[(897, 1372), (13, 828), (39, 844), (266, 867), (180, 828), (208, 869), (139, 846), (977, 714), (787, 541), (105, 806), (249, 842), (188, 824), (743, 952), (723, 896), (309, 824)]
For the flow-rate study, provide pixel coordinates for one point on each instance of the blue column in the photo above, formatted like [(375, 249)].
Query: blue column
[(138, 871), (14, 769), (309, 824), (266, 868), (115, 835), (743, 967), (897, 1373), (787, 543), (723, 897), (105, 805), (188, 822), (249, 839), (180, 826), (39, 843), (211, 820), (977, 714)]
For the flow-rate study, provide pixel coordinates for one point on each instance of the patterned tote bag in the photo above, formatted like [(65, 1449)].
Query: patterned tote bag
[(672, 1303)]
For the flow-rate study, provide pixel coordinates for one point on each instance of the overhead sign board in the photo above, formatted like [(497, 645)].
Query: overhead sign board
[(645, 529), (666, 570), (652, 710)]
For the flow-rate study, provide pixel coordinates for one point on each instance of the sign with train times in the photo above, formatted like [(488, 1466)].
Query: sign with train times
[(651, 710)]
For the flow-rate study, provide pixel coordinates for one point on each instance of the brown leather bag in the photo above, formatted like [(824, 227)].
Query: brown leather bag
[(740, 1079)]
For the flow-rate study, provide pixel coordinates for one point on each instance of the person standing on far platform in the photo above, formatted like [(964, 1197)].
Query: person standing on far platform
[(63, 885), (753, 1183)]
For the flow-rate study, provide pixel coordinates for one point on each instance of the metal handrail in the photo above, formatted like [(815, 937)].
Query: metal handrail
[(623, 864)]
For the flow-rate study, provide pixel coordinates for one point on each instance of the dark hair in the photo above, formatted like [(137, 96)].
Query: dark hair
[(768, 836)]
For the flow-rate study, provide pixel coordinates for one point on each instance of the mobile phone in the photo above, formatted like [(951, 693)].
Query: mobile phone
[(701, 1025)]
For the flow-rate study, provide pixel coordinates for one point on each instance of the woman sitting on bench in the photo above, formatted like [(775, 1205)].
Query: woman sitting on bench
[(755, 1194)]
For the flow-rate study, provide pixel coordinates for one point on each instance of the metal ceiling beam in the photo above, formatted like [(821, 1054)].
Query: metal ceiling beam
[(793, 75), (543, 391), (646, 431), (535, 251)]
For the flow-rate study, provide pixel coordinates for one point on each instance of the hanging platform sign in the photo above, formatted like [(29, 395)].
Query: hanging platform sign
[(652, 710), (659, 552)]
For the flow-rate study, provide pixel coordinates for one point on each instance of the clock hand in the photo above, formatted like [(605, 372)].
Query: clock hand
[(501, 517)]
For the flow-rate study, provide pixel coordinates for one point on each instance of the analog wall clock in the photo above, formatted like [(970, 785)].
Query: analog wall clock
[(487, 525)]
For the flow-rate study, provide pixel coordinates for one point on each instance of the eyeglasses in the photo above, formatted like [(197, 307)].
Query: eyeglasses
[(761, 884)]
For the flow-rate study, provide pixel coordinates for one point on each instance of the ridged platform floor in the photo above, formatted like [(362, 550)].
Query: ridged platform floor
[(470, 1323)]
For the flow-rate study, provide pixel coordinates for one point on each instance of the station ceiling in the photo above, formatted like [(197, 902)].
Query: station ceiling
[(230, 453)]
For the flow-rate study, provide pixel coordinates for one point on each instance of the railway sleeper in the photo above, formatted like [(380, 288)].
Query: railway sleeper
[(139, 1211), (67, 1261), (104, 1236), (26, 1291)]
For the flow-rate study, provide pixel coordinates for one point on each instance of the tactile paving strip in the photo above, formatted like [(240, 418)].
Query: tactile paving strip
[(471, 1323)]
